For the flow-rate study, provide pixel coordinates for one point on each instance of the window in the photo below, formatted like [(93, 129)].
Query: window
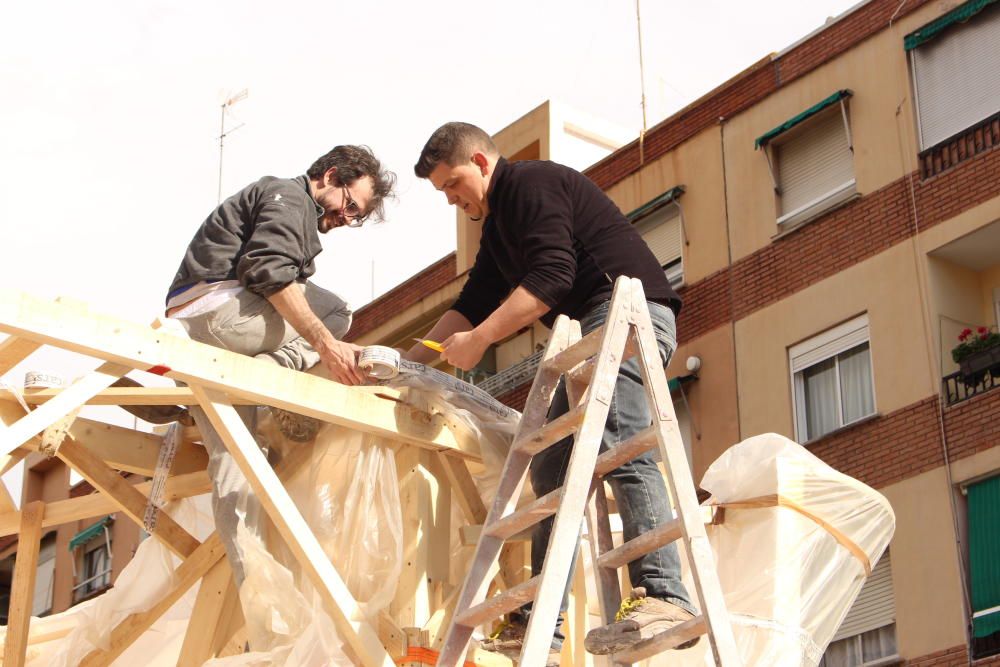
[(984, 553), (867, 637), (45, 576), (813, 167), (832, 380), (661, 230), (953, 61), (95, 574)]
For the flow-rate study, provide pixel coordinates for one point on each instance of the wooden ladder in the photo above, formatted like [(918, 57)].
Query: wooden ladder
[(590, 367)]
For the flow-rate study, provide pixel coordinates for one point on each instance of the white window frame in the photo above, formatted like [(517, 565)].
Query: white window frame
[(84, 587), (828, 200), (816, 350), (674, 268), (882, 571)]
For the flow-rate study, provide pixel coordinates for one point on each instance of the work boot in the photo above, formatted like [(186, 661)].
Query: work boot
[(295, 427), (639, 618), (154, 414), (508, 640)]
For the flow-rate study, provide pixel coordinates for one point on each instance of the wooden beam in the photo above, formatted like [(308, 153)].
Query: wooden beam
[(97, 504), (125, 496), (239, 376), (231, 623), (186, 575), (338, 601), (14, 350), (68, 400), (23, 587), (125, 396), (206, 616)]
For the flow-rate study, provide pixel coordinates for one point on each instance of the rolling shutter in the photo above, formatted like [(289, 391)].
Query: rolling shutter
[(955, 77), (662, 233), (875, 605), (814, 162)]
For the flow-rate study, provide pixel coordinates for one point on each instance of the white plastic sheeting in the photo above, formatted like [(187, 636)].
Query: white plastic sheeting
[(791, 551)]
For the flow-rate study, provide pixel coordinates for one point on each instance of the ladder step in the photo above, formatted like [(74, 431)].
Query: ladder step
[(498, 605), (583, 349), (663, 641), (551, 433), (640, 546), (527, 516), (623, 452)]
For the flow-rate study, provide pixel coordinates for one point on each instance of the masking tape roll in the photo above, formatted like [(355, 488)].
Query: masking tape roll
[(40, 380), (379, 362)]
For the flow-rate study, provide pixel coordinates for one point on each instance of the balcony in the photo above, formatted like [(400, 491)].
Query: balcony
[(957, 390)]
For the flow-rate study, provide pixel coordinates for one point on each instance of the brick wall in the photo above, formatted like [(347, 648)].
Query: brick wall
[(401, 297), (751, 86), (957, 656), (886, 449), (517, 397), (973, 426)]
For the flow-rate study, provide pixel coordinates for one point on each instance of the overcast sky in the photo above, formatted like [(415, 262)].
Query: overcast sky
[(110, 115)]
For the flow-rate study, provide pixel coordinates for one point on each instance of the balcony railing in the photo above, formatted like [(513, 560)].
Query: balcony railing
[(512, 377), (957, 390)]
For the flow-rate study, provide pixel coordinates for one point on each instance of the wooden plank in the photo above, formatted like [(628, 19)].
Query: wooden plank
[(338, 601), (134, 451), (13, 351), (239, 376), (23, 586), (68, 400), (125, 396), (128, 499), (231, 626), (206, 616), (97, 504), (498, 605), (641, 545), (131, 628), (7, 503)]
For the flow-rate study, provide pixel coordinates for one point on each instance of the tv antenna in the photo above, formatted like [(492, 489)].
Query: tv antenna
[(233, 99)]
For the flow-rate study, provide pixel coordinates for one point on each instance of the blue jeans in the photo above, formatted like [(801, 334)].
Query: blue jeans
[(638, 486)]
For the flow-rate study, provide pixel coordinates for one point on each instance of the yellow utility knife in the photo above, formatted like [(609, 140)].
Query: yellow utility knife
[(430, 344)]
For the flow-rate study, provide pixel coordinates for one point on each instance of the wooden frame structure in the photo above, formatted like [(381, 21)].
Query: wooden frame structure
[(216, 380)]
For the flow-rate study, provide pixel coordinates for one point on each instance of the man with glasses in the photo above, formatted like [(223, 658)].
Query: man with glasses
[(243, 285)]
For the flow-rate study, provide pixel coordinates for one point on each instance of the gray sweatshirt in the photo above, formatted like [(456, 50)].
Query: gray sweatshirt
[(266, 236)]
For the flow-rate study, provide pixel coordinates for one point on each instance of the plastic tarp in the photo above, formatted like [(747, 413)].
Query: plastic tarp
[(792, 551), (346, 486)]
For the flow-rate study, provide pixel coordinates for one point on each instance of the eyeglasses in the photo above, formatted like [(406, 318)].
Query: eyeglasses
[(351, 212)]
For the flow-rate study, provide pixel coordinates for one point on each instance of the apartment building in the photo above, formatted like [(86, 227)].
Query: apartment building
[(831, 217)]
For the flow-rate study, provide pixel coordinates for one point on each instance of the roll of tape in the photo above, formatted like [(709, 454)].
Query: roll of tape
[(39, 380), (379, 362)]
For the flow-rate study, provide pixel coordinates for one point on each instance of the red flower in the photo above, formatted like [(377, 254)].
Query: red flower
[(965, 334), (982, 331)]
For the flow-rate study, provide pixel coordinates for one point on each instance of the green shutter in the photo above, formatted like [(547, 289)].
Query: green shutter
[(984, 555), (666, 198), (89, 533), (936, 27), (795, 120)]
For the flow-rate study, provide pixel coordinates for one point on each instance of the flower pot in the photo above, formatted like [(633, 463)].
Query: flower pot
[(978, 364)]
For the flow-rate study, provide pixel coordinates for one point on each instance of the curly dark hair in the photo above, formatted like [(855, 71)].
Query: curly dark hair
[(352, 163), (452, 143)]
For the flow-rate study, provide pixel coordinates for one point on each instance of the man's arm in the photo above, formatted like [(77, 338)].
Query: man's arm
[(340, 358), (465, 348), (451, 322)]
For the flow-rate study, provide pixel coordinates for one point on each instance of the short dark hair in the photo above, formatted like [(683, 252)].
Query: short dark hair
[(452, 143), (352, 163)]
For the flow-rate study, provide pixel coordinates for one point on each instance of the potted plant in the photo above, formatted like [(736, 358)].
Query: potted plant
[(977, 353)]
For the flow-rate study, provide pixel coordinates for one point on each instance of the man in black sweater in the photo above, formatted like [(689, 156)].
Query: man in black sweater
[(552, 244)]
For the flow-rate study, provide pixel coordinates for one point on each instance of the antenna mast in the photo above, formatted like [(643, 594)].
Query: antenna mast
[(242, 95)]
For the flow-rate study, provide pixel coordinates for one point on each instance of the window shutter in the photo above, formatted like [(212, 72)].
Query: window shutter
[(875, 605), (955, 78), (833, 342), (662, 233), (44, 576), (814, 162), (984, 551)]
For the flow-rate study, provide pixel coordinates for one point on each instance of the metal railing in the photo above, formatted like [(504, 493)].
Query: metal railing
[(512, 377), (956, 389)]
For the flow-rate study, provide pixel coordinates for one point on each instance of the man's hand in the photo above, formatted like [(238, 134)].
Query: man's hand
[(341, 359), (465, 349)]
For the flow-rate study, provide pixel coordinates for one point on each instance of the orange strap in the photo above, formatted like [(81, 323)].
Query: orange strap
[(424, 656), (776, 500)]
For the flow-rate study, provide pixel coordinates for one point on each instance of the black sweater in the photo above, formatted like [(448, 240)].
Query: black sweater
[(552, 231)]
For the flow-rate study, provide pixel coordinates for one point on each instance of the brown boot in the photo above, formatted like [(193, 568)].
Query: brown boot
[(508, 640), (639, 618), (295, 427)]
